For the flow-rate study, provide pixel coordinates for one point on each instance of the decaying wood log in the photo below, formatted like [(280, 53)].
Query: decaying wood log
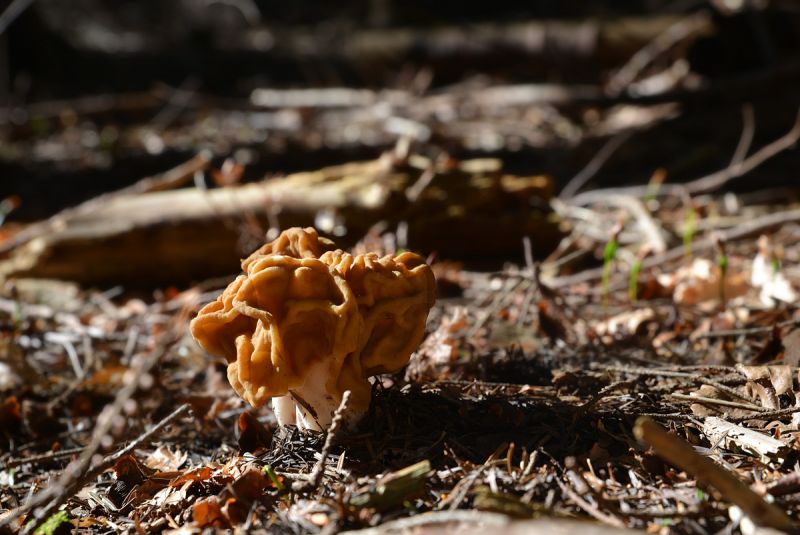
[(465, 210)]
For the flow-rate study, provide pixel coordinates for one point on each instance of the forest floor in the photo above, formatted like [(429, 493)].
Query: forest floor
[(525, 399), (601, 356)]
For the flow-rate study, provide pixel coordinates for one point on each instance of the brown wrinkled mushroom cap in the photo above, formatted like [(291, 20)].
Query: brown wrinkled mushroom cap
[(394, 295), (300, 303)]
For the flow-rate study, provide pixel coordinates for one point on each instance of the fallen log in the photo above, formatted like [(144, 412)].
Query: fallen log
[(466, 209)]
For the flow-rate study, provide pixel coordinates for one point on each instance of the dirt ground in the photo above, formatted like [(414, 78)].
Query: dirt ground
[(606, 195)]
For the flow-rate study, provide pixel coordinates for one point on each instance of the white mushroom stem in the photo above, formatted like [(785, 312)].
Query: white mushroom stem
[(310, 407)]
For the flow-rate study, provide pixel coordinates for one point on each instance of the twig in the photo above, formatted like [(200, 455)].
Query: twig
[(747, 331), (670, 416), (315, 477), (461, 490), (643, 218), (35, 459), (691, 26), (724, 402), (756, 226), (655, 372), (425, 178), (746, 139), (107, 462), (170, 179), (59, 491), (403, 525), (68, 490), (590, 509), (496, 304), (765, 415), (708, 473), (709, 182), (603, 392), (14, 10), (595, 164), (788, 484)]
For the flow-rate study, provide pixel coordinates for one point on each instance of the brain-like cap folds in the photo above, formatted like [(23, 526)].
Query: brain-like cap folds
[(300, 303)]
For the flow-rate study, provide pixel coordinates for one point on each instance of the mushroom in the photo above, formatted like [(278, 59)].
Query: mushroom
[(305, 323)]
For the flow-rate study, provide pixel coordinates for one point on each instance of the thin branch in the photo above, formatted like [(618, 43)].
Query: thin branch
[(110, 460), (315, 477), (707, 183), (591, 510), (14, 10), (749, 331), (679, 453), (484, 519), (595, 164), (746, 139), (777, 413), (686, 28), (55, 494), (756, 226), (45, 457), (704, 400), (170, 179)]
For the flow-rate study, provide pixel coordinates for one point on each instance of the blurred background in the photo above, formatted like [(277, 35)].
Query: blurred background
[(97, 94)]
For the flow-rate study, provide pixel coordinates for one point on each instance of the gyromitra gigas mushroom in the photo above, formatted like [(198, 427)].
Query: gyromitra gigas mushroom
[(305, 323)]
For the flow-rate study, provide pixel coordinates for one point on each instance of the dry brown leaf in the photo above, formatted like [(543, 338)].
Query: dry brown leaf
[(170, 496), (791, 348), (769, 382), (699, 283), (780, 377), (131, 471), (10, 414), (9, 379), (439, 349), (207, 513), (252, 433), (164, 460), (624, 324), (200, 474), (708, 391), (765, 275), (233, 504)]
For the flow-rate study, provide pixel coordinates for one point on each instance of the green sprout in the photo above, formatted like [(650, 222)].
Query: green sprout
[(689, 231), (775, 264), (633, 282), (722, 263), (636, 269), (273, 477), (654, 185), (609, 256)]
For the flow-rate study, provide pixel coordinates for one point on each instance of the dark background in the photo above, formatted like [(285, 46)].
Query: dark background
[(57, 58)]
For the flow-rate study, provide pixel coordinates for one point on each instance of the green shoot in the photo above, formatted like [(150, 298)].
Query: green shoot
[(633, 282), (636, 268), (775, 264), (659, 175), (722, 263), (276, 481), (689, 231), (609, 256)]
